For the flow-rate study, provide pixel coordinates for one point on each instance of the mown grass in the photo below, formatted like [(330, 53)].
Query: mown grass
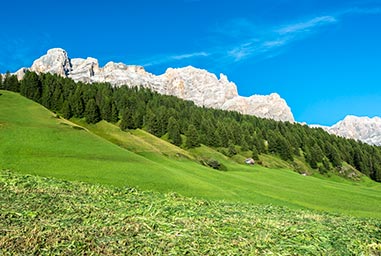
[(45, 216), (34, 141)]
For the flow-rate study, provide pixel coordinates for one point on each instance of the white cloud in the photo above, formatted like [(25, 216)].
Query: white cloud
[(189, 55), (240, 39), (357, 10), (306, 26), (274, 43), (161, 59)]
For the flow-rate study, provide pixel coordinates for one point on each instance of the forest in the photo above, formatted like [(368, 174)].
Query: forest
[(187, 125)]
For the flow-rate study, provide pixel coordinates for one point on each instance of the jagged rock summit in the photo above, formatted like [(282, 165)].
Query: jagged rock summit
[(189, 83), (365, 129)]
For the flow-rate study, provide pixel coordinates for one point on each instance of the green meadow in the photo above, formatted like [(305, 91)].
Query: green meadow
[(35, 141)]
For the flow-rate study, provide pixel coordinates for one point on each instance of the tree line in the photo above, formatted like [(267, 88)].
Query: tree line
[(187, 125)]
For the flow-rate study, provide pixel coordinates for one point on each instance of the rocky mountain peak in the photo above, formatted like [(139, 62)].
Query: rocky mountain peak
[(268, 106), (56, 61), (199, 86), (189, 83), (363, 128)]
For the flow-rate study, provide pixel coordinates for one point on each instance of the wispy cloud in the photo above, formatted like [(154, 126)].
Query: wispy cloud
[(189, 55), (306, 26), (240, 39), (161, 59), (241, 52), (358, 10)]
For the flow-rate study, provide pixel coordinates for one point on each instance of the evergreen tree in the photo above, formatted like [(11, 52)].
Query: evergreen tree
[(1, 82), (105, 109), (114, 113), (11, 82), (217, 139), (57, 98), (92, 113), (192, 140), (255, 154), (47, 93), (66, 110), (244, 146), (326, 166), (152, 123), (222, 135), (231, 149), (174, 131), (31, 86), (258, 144), (77, 103), (285, 150), (310, 158), (127, 122), (333, 155)]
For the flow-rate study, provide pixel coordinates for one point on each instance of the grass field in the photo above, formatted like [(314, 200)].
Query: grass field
[(45, 216), (34, 141)]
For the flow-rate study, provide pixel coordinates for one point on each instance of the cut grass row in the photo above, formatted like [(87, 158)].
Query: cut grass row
[(49, 216)]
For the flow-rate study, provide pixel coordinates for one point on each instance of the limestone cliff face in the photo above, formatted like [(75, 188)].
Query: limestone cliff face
[(55, 61), (199, 86), (189, 83), (365, 129), (268, 106)]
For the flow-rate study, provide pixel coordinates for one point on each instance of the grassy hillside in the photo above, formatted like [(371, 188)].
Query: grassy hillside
[(34, 141), (48, 216)]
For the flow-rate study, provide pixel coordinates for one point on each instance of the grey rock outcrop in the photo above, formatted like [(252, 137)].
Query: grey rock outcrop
[(267, 106), (55, 61), (365, 129), (189, 83), (199, 86)]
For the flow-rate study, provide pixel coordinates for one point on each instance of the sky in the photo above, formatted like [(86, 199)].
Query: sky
[(323, 57)]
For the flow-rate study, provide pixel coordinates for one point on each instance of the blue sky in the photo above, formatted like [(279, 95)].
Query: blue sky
[(323, 57)]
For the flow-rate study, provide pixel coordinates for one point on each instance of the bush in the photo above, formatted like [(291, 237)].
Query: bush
[(214, 164)]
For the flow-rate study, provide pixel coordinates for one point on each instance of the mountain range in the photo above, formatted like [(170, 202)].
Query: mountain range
[(189, 83), (198, 85), (365, 129)]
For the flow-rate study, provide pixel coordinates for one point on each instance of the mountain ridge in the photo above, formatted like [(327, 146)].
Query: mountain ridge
[(189, 83), (363, 128)]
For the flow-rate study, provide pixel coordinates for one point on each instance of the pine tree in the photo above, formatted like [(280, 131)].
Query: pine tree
[(192, 140), (106, 111), (1, 82), (174, 132), (222, 135), (31, 86), (333, 155), (114, 113), (255, 155), (152, 123), (310, 158), (92, 113), (77, 103), (244, 146), (57, 98), (11, 82), (66, 110), (231, 149), (326, 163), (127, 122)]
